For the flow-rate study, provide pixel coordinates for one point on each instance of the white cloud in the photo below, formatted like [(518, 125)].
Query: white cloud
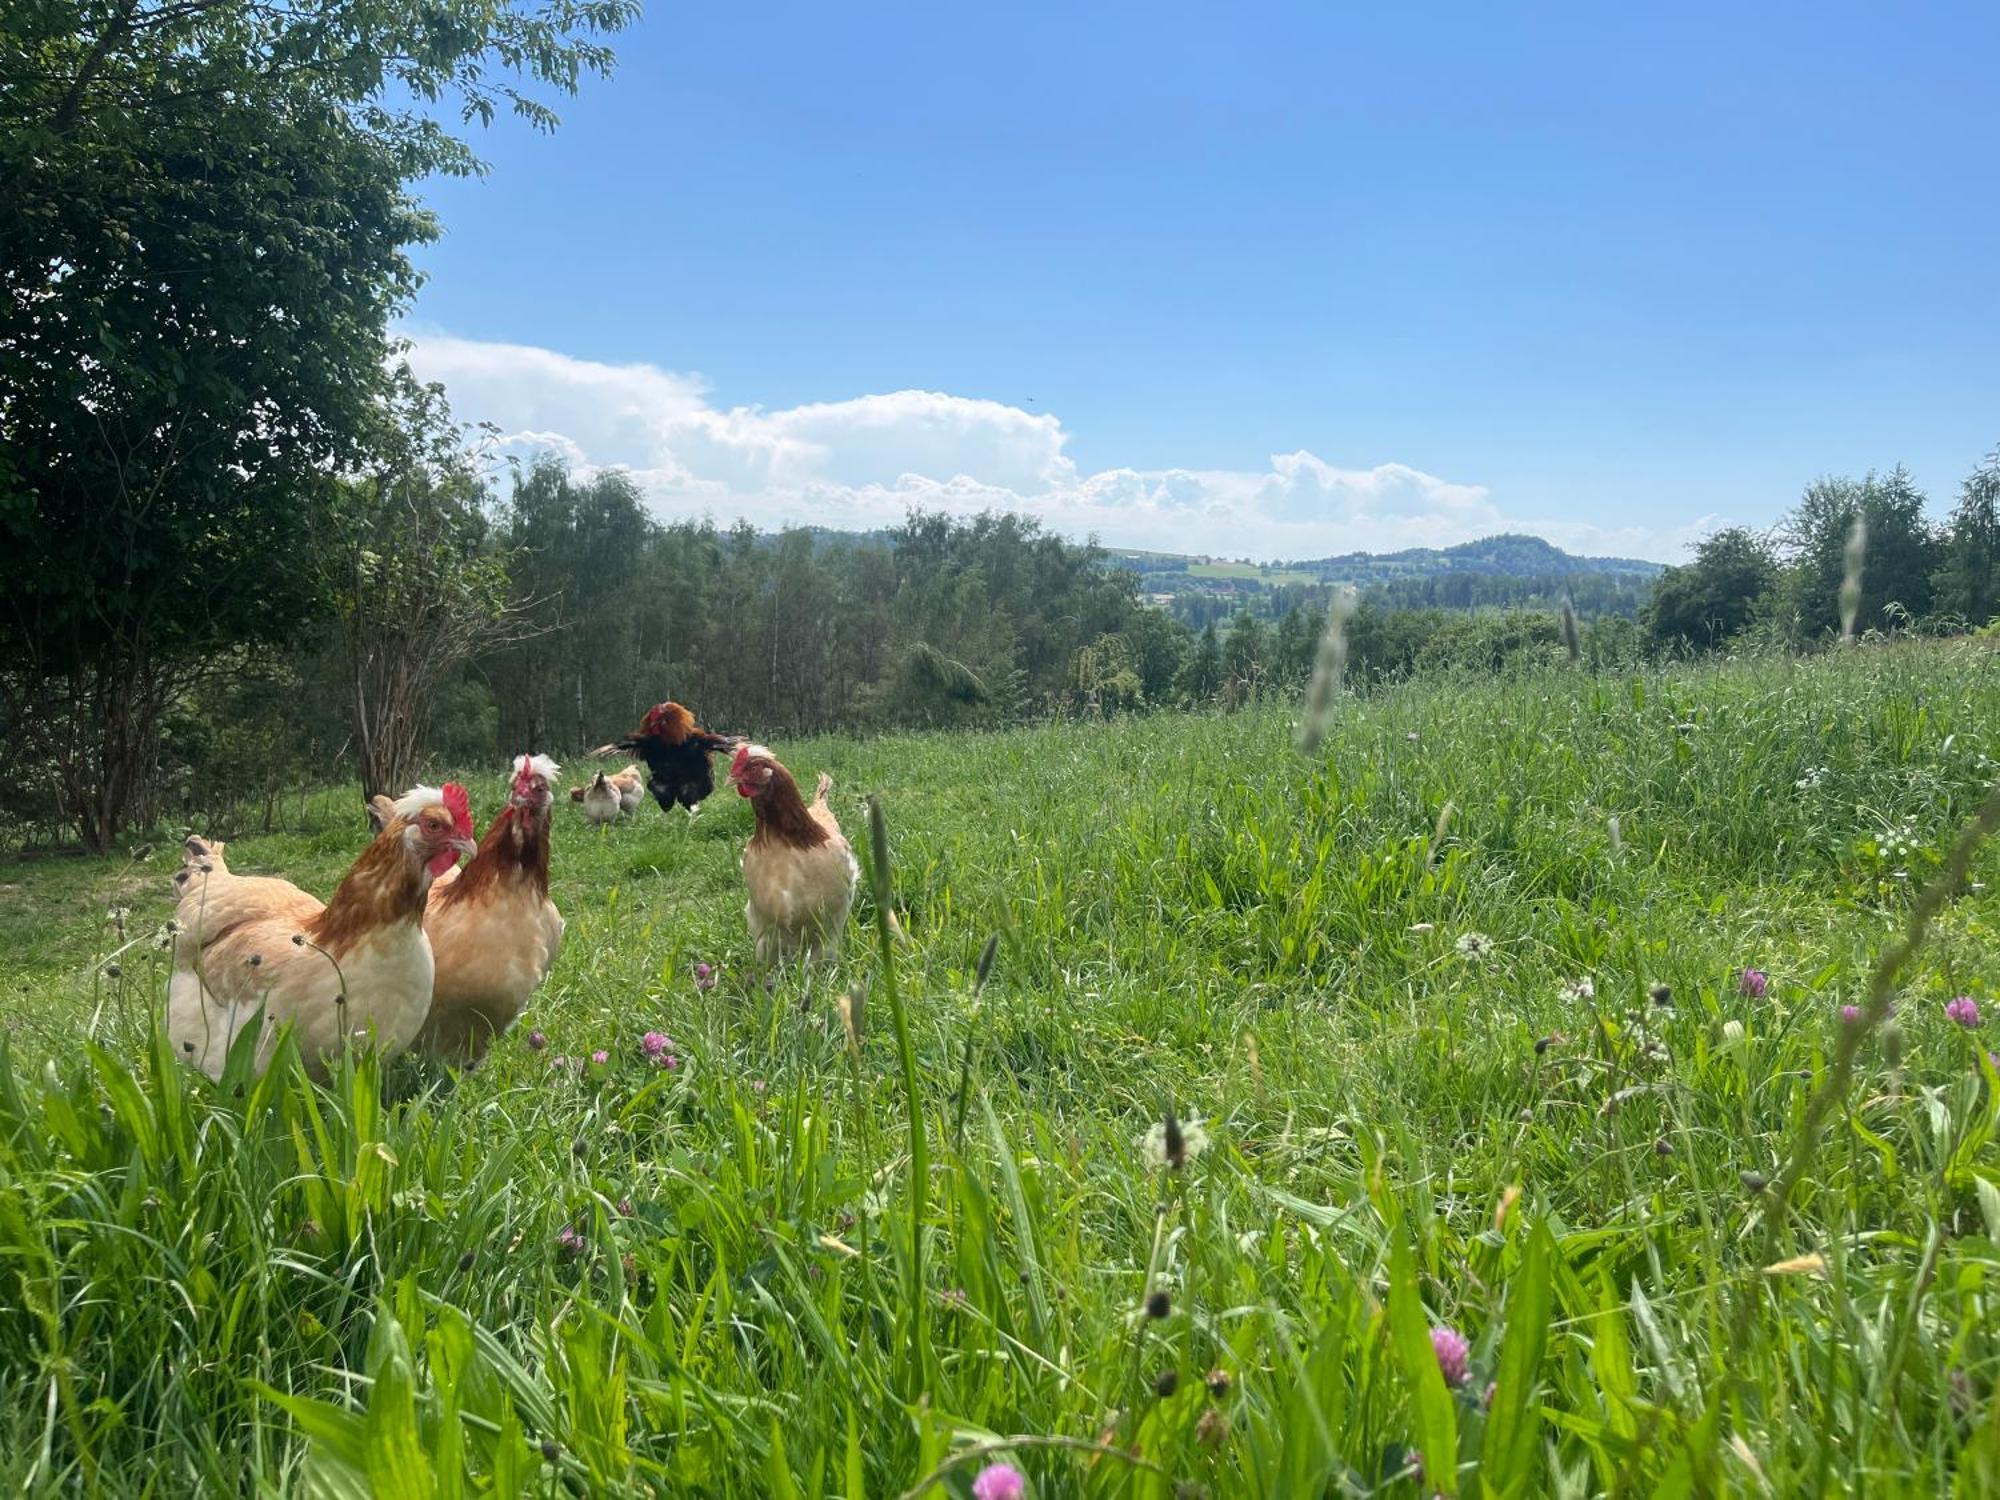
[(867, 461)]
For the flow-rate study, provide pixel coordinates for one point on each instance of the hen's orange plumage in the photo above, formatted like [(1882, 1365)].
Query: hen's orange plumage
[(798, 866), (494, 931)]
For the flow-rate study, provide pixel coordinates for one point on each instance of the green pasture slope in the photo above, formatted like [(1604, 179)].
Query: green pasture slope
[(368, 1287)]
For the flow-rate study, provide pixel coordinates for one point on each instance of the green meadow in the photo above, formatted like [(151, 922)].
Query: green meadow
[(1451, 1015), (1274, 577)]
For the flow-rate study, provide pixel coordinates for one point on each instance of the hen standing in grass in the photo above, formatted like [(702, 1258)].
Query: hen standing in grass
[(676, 752), (599, 801), (494, 931), (357, 968), (799, 868), (630, 784)]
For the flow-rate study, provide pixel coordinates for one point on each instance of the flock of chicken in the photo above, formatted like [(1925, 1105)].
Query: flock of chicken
[(415, 949)]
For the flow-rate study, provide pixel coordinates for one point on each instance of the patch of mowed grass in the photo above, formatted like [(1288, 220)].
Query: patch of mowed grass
[(586, 1277)]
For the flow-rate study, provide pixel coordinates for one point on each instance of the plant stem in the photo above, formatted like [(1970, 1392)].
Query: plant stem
[(920, 1162)]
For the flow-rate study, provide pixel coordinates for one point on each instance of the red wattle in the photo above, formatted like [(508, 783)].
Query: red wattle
[(742, 790), (441, 862)]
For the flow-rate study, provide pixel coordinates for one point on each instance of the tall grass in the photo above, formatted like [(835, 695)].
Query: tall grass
[(808, 1260)]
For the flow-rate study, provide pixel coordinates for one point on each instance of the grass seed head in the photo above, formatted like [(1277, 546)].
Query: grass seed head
[(1329, 668), (1850, 583)]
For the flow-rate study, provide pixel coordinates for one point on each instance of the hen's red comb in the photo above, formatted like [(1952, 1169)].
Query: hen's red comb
[(461, 807), (738, 761)]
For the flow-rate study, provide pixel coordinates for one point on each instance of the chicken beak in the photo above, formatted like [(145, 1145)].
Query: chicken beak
[(465, 846)]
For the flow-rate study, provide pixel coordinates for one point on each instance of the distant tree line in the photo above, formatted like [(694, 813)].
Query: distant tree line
[(1589, 594), (1783, 587), (461, 621)]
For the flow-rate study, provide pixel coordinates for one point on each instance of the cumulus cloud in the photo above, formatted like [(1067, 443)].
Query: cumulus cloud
[(866, 461)]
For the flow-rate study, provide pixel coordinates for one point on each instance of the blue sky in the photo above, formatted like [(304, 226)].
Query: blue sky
[(1269, 279)]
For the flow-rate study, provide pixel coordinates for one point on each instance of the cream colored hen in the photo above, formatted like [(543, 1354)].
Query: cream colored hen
[(355, 970)]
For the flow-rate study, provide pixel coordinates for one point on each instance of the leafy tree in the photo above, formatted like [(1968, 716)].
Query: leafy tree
[(1245, 657), (1713, 599), (1201, 677), (1967, 582), (579, 573), (1296, 644), (202, 244), (1900, 558), (1160, 645), (415, 591)]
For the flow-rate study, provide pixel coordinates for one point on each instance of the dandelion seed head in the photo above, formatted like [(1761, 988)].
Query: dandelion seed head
[(1173, 1143)]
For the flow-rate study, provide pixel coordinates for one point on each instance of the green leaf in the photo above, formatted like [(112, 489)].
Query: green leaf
[(1507, 1457), (857, 1486), (1989, 1206), (1432, 1414), (778, 1467), (1611, 1363), (398, 1468)]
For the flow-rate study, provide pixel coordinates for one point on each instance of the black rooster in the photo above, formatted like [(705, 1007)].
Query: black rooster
[(676, 753)]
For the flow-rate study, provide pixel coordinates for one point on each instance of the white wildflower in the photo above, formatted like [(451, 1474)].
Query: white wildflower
[(1474, 944), (1580, 989), (1732, 1033)]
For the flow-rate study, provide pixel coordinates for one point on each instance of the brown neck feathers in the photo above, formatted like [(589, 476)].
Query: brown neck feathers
[(515, 849), (781, 813), (385, 886), (673, 726)]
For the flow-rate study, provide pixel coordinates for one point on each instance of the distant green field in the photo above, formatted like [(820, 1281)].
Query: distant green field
[(1274, 579), (1405, 985)]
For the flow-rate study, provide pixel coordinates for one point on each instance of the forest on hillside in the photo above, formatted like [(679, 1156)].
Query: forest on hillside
[(1506, 571), (449, 615)]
